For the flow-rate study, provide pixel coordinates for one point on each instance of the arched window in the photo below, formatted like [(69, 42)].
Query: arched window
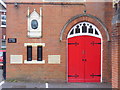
[(84, 28)]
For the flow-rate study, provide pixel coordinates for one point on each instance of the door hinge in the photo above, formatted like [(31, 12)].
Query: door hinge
[(95, 75), (73, 43), (93, 43)]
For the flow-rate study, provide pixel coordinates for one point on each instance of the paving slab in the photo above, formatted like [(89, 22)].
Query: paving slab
[(55, 85), (22, 85)]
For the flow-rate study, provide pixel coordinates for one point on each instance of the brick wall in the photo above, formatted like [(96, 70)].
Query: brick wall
[(116, 48), (115, 56), (54, 18)]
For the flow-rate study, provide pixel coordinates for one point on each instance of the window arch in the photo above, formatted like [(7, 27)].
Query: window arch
[(84, 28)]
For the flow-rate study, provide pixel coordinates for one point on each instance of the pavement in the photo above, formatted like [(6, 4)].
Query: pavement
[(1, 78), (54, 85), (1, 74), (4, 85)]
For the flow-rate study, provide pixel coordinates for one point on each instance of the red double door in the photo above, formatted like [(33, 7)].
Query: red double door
[(84, 59)]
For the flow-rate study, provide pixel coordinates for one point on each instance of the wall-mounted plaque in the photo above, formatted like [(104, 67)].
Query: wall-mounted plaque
[(12, 40)]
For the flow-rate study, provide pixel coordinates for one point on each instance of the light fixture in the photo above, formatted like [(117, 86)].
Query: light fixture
[(16, 5)]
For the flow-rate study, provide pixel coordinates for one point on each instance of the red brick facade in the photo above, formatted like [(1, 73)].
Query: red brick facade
[(54, 18), (115, 48), (115, 56)]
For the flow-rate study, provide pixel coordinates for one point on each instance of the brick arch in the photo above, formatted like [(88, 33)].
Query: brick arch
[(85, 17)]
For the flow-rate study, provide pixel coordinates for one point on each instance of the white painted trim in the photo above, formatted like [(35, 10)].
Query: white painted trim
[(81, 34), (3, 20), (3, 46), (101, 50), (34, 44), (3, 11), (40, 20), (3, 26), (34, 62), (28, 12), (115, 1), (4, 37), (3, 3)]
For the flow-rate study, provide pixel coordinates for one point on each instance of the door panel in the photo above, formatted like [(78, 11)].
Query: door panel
[(84, 59), (93, 56), (75, 60)]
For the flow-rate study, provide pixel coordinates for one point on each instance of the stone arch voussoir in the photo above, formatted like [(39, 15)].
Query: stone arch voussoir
[(85, 17)]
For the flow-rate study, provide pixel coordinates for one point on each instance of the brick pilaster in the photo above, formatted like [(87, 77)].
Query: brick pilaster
[(116, 56)]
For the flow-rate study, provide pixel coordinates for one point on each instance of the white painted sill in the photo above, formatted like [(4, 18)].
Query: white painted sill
[(3, 26), (34, 62)]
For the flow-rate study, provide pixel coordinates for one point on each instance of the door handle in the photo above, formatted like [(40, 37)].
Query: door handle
[(84, 60)]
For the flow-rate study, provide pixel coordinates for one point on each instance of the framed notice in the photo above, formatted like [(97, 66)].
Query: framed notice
[(12, 40)]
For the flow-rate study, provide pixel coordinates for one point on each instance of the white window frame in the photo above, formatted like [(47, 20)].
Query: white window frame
[(3, 20), (34, 45)]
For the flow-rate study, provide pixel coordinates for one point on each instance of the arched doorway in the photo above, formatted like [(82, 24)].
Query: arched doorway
[(84, 53)]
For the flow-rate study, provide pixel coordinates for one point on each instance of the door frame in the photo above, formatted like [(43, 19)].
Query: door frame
[(100, 52)]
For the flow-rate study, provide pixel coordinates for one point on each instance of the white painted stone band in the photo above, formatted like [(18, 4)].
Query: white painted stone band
[(34, 62), (34, 44)]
